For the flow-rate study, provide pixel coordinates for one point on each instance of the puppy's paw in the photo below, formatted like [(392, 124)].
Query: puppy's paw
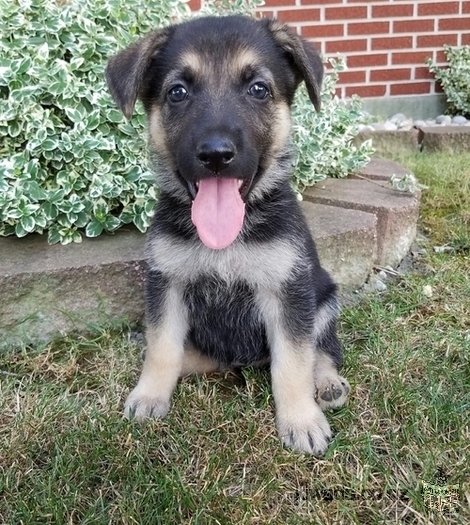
[(331, 390), (139, 406), (306, 430)]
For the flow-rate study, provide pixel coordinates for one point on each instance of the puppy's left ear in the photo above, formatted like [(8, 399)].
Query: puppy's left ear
[(125, 71), (305, 57)]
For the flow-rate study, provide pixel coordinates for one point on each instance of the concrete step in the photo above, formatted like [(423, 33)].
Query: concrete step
[(388, 143), (380, 170), (346, 241), (445, 138), (47, 291), (396, 212)]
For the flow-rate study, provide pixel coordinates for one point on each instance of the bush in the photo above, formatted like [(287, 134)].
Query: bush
[(324, 140), (455, 79), (70, 162)]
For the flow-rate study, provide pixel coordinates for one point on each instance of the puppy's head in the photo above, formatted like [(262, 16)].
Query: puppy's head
[(217, 92)]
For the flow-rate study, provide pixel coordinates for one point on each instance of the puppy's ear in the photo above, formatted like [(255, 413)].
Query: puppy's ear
[(125, 71), (305, 58)]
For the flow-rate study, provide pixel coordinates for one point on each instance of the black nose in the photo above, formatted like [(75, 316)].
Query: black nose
[(216, 153)]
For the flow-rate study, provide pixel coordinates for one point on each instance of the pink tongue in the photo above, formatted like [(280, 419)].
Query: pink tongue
[(218, 212)]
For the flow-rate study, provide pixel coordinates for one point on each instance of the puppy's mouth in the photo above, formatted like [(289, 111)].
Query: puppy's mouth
[(244, 186), (218, 209)]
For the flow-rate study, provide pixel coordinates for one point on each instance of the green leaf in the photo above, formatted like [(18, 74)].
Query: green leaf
[(94, 228), (74, 114), (19, 230), (141, 222), (27, 223), (112, 223), (56, 196), (82, 220), (14, 128), (41, 220), (53, 236), (35, 192), (50, 145), (115, 116), (24, 65)]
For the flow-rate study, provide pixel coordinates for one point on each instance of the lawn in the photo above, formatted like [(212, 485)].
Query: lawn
[(68, 457)]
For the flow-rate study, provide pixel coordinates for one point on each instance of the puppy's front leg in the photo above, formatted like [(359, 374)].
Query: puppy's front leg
[(299, 419), (166, 333)]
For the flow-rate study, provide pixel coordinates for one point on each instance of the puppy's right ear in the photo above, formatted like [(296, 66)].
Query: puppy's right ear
[(125, 71)]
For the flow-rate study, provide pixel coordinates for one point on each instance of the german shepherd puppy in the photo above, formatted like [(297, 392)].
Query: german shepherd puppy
[(233, 275)]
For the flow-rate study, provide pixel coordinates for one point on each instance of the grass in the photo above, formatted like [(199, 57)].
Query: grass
[(67, 456)]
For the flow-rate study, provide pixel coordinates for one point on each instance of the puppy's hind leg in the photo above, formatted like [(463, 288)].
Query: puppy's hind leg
[(166, 333), (194, 362), (331, 389)]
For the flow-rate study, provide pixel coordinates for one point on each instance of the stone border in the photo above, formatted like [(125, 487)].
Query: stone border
[(49, 291), (452, 139)]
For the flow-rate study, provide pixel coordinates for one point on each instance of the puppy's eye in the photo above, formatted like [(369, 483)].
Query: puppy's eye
[(178, 94), (259, 91)]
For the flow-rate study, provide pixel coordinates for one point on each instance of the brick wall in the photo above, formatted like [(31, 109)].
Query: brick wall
[(385, 42)]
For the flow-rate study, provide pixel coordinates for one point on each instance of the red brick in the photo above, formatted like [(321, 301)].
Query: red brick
[(436, 40), (366, 91), (368, 28), (440, 57), (352, 77), (466, 39), (345, 13), (412, 88), (277, 3), (299, 15), (415, 57), (316, 2), (394, 10), (367, 60), (438, 88), (438, 8), (194, 5), (385, 75), (454, 24), (346, 46), (394, 42), (423, 73), (413, 26), (323, 30), (466, 8)]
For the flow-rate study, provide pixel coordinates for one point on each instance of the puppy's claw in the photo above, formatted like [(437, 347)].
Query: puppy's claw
[(308, 432), (141, 407)]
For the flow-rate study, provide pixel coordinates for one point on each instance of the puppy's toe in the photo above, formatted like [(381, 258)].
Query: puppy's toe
[(140, 407), (307, 431), (331, 391)]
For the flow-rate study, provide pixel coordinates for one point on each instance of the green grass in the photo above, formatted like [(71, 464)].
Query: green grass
[(67, 456)]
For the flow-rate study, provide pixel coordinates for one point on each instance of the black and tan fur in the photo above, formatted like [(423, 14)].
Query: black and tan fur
[(214, 87)]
